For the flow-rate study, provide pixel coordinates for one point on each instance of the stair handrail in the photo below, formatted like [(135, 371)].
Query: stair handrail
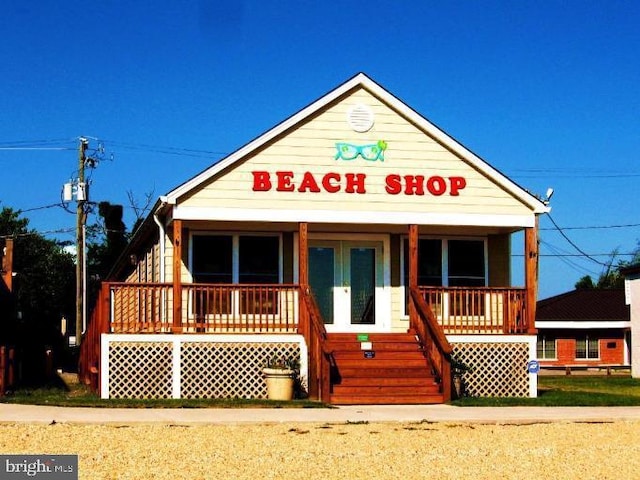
[(320, 357), (431, 335)]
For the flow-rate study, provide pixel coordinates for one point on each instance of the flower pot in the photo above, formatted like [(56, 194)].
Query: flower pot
[(279, 383), (458, 386)]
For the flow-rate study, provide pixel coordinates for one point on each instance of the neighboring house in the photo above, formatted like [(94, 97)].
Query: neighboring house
[(584, 328), (7, 316), (355, 236), (632, 298)]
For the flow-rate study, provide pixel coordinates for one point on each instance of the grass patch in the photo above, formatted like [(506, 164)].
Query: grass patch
[(72, 394), (570, 391)]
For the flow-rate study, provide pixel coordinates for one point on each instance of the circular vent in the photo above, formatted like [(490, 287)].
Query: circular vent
[(360, 118)]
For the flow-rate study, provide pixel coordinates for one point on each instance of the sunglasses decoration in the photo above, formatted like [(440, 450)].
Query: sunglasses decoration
[(370, 152)]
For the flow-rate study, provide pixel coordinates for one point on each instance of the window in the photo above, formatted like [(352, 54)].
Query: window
[(449, 263), (546, 348), (259, 259), (227, 259), (212, 259), (466, 263), (587, 348), (463, 262), (236, 259)]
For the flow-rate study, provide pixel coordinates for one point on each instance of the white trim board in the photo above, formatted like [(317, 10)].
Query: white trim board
[(341, 216)]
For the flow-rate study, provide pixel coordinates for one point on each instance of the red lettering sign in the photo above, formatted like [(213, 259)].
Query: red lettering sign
[(332, 182)]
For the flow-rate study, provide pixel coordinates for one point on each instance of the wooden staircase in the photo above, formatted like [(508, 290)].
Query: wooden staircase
[(393, 371)]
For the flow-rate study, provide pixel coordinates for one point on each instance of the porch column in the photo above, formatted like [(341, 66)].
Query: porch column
[(531, 274), (303, 254), (413, 268), (304, 327), (177, 276)]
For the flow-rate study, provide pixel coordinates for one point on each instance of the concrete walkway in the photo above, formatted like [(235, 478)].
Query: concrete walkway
[(10, 413)]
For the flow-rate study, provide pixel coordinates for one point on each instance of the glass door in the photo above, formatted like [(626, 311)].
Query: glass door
[(344, 277)]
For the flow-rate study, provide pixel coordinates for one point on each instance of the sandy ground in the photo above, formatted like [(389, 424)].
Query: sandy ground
[(339, 451)]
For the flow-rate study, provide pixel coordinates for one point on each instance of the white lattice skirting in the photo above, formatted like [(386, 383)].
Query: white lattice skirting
[(499, 364), (193, 366)]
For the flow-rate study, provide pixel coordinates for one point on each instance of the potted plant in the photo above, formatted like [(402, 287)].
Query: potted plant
[(279, 373), (458, 369)]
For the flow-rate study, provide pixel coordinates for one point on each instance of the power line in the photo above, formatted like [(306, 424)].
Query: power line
[(20, 211), (574, 245), (186, 152), (596, 227), (36, 148), (36, 233)]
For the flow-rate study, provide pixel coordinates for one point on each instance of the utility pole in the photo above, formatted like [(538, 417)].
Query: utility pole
[(81, 219)]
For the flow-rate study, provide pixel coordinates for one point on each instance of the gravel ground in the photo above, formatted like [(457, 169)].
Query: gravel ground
[(341, 451)]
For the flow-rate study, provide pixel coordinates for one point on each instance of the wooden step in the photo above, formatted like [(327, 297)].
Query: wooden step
[(378, 355), (391, 382), (394, 370), (386, 399), (385, 390), (382, 372), (377, 363)]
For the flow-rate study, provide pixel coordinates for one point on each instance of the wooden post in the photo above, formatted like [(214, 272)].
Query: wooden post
[(177, 276), (531, 274), (413, 269), (303, 276), (7, 263), (303, 253)]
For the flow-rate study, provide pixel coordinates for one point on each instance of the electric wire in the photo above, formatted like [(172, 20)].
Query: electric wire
[(586, 255)]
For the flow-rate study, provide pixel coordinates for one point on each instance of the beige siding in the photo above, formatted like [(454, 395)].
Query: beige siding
[(499, 252), (311, 147)]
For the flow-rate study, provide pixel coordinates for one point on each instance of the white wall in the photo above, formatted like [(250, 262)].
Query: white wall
[(632, 286)]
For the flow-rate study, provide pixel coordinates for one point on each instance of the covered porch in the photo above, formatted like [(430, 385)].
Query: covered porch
[(209, 309)]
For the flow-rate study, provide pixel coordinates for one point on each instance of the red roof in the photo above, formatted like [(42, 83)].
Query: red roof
[(584, 305)]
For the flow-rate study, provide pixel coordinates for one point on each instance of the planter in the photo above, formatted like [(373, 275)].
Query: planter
[(458, 386), (279, 383)]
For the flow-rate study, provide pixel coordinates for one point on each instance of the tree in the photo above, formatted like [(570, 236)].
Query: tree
[(585, 283), (611, 276), (140, 210), (106, 243), (44, 289)]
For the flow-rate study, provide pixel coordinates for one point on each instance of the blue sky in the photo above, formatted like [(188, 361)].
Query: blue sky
[(547, 92)]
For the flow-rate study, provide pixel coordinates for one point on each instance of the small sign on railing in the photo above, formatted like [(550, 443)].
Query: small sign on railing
[(369, 354)]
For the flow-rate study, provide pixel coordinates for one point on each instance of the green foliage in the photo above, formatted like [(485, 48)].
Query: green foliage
[(282, 362), (585, 283), (611, 277), (43, 292), (44, 284)]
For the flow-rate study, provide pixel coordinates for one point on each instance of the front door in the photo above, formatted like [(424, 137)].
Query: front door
[(346, 279)]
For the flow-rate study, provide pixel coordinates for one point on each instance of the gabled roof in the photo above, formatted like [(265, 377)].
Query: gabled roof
[(357, 82), (584, 305)]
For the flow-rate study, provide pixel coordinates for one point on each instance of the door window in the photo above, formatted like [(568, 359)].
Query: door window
[(321, 279)]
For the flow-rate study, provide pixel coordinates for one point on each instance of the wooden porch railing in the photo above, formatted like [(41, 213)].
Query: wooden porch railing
[(89, 371), (478, 310), (206, 308), (320, 359), (431, 335)]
